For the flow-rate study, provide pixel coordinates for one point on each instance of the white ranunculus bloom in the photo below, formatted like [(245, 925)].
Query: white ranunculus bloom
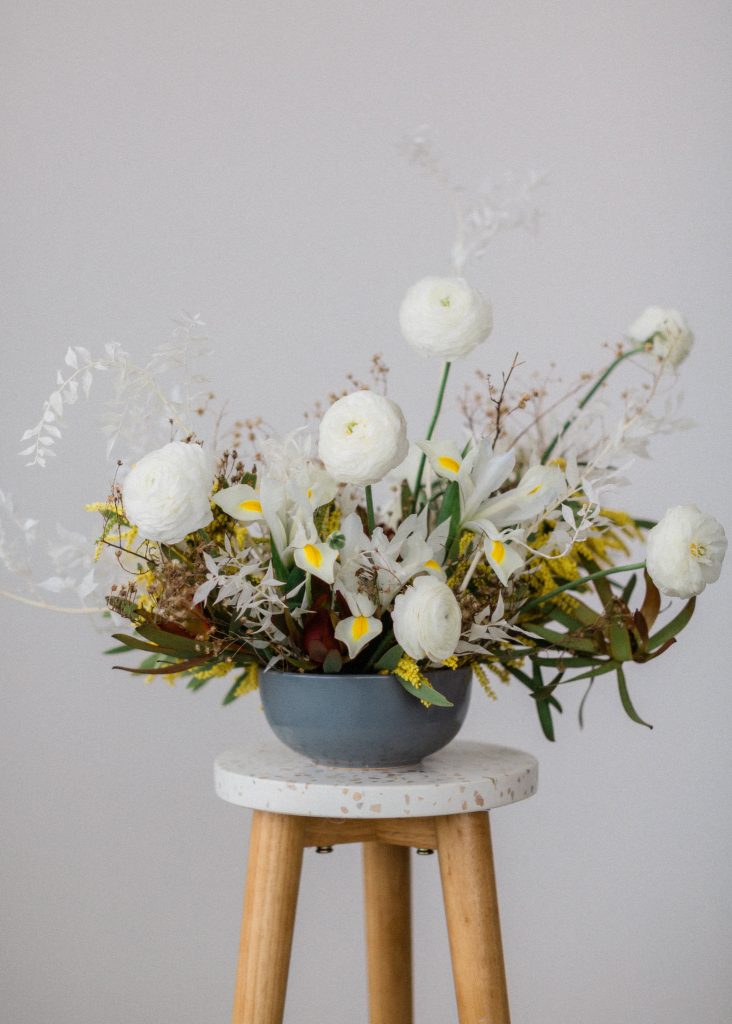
[(685, 551), (167, 493), (363, 436), (427, 620), (445, 317), (668, 332)]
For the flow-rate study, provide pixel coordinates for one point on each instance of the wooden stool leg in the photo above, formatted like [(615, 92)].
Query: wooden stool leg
[(471, 908), (270, 899), (388, 932)]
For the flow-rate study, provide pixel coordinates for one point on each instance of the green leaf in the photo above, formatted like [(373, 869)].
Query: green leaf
[(450, 509), (333, 662), (122, 649), (602, 668), (620, 648), (626, 701), (385, 642), (231, 694), (548, 689), (628, 589), (564, 661), (389, 661), (673, 627), (195, 684), (426, 693), (406, 499), (544, 705), (165, 670), (529, 682), (173, 641), (295, 577), (601, 585), (150, 662), (580, 615), (277, 564), (134, 643), (572, 643), (543, 710), (645, 524)]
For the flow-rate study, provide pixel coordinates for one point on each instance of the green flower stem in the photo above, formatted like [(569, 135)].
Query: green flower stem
[(573, 584), (430, 431), (590, 394), (370, 509)]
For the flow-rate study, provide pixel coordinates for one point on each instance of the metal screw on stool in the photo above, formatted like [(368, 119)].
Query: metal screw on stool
[(323, 849), (423, 851)]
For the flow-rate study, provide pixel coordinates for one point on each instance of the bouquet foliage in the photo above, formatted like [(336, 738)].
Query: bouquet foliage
[(342, 548)]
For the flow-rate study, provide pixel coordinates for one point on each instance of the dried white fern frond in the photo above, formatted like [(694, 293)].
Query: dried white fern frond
[(145, 400), (501, 205), (17, 538)]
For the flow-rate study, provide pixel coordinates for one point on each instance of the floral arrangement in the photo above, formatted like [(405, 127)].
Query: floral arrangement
[(343, 548)]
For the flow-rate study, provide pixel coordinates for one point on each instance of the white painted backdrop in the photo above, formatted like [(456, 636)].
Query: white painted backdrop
[(240, 160)]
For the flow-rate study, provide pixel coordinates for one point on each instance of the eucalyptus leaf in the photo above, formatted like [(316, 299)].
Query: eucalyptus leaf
[(426, 693), (333, 662), (389, 661)]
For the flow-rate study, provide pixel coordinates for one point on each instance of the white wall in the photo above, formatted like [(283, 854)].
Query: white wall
[(239, 159)]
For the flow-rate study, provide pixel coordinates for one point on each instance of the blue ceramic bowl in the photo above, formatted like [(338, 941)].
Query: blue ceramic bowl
[(362, 721)]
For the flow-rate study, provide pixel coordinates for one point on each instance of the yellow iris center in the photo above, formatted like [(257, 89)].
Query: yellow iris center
[(535, 490), (251, 506), (451, 465), (313, 555), (359, 627), (432, 564), (498, 551)]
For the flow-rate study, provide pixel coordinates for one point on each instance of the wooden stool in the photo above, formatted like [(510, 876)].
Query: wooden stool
[(440, 805)]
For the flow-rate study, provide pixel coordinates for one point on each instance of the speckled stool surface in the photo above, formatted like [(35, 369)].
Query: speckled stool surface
[(437, 806), (463, 777)]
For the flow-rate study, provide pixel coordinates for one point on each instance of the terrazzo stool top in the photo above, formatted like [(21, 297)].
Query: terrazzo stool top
[(465, 776)]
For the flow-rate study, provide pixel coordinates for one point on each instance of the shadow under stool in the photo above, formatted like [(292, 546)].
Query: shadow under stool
[(440, 805)]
